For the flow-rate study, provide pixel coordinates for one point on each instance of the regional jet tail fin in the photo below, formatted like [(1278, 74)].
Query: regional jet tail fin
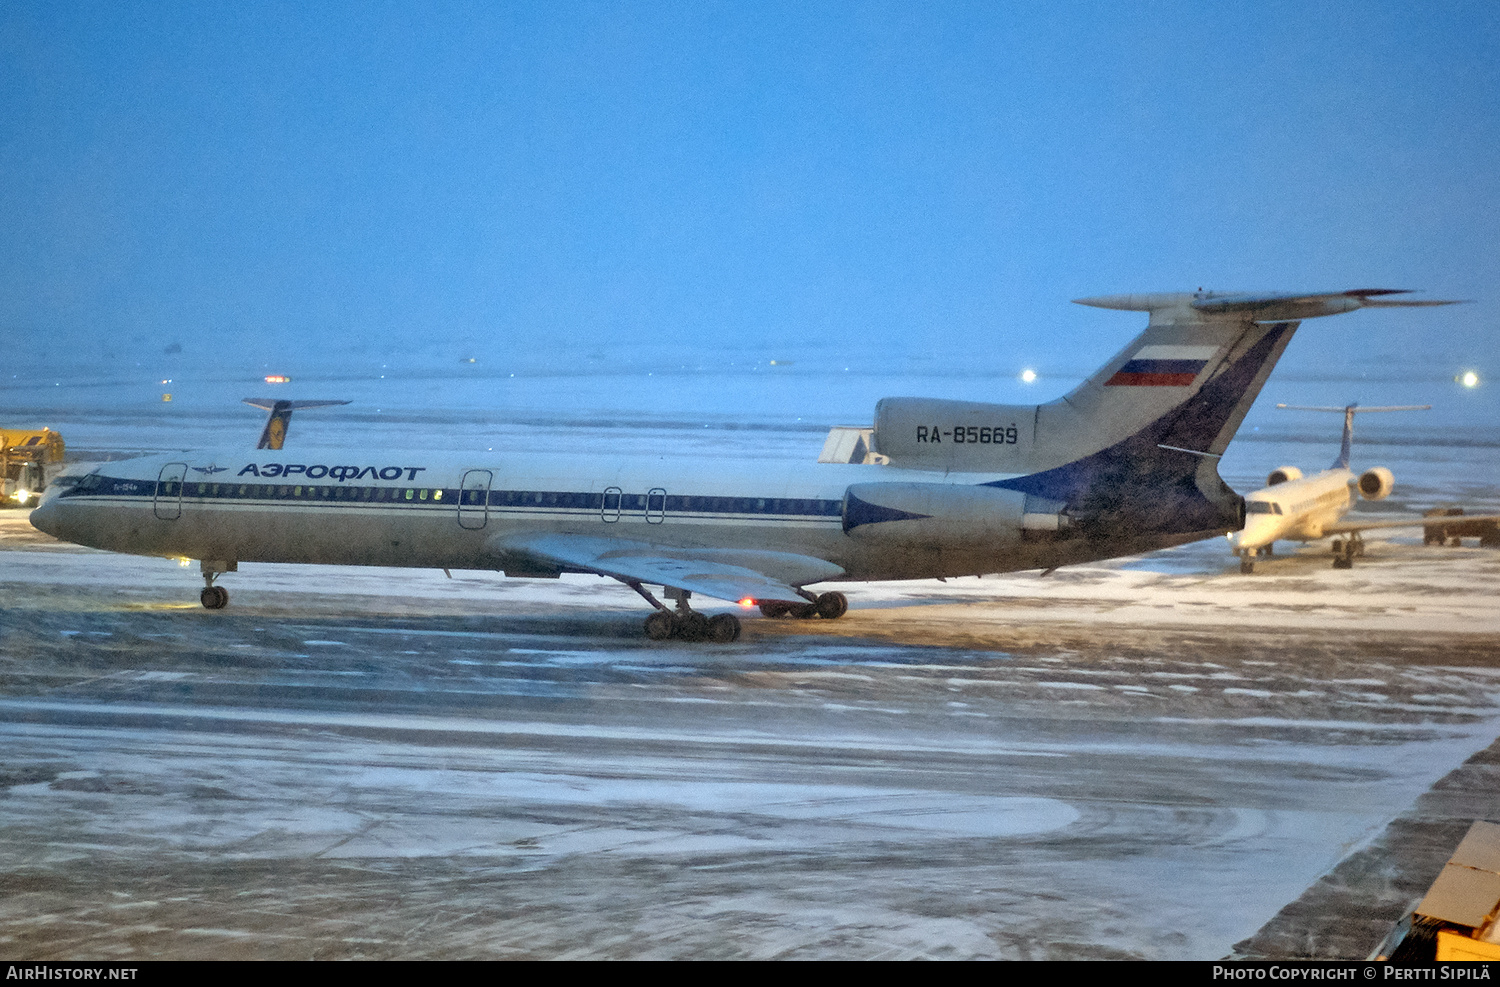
[(1342, 463), (273, 436)]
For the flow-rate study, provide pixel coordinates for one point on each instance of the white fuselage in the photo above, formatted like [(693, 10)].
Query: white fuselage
[(1298, 510), (423, 509)]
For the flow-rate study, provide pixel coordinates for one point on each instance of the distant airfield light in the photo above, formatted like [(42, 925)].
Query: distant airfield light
[(1028, 376), (278, 379), (184, 562), (166, 397), (1468, 378)]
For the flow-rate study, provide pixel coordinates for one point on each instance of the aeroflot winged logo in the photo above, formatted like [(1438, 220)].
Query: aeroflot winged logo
[(318, 471), (1163, 366)]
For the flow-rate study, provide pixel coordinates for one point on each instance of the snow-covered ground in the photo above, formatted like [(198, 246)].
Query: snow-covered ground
[(1146, 757)]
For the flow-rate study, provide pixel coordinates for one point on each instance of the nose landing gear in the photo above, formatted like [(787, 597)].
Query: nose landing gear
[(214, 597)]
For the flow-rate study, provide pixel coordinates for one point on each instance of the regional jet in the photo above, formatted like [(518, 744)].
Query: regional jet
[(1308, 508), (1124, 463)]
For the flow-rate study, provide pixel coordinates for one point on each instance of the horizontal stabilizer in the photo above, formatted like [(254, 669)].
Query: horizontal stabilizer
[(273, 404), (1262, 307), (1356, 407)]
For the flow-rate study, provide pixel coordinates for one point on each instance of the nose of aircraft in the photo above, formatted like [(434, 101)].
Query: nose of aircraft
[(1256, 533), (45, 518)]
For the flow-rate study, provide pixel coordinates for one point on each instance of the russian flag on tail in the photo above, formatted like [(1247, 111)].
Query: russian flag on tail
[(1163, 366)]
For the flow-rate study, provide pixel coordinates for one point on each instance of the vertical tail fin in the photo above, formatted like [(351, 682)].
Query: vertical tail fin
[(280, 418), (1342, 463), (1176, 394)]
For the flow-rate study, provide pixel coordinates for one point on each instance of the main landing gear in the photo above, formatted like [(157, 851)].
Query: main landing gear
[(829, 606), (1345, 551), (686, 624)]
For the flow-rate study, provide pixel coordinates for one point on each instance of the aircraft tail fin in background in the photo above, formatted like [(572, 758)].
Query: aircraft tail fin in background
[(1349, 412), (274, 434)]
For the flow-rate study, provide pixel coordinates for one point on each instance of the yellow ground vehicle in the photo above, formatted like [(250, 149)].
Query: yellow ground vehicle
[(28, 459)]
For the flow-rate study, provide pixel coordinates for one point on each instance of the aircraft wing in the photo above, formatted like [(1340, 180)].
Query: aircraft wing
[(1347, 526), (723, 573)]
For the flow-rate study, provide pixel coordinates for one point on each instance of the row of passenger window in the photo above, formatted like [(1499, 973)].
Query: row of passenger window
[(271, 491), (609, 502)]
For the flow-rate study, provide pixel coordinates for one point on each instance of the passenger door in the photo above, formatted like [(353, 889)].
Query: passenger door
[(474, 499), (168, 503)]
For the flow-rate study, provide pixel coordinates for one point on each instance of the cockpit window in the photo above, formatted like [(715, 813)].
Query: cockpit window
[(1260, 507)]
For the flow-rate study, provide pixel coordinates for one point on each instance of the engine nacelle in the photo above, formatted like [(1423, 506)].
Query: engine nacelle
[(1376, 484), (1283, 474), (958, 515)]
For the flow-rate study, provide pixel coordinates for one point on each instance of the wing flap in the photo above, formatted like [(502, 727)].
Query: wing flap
[(722, 573)]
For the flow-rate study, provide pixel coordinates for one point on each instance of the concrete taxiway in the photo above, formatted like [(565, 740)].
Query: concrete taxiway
[(1156, 761)]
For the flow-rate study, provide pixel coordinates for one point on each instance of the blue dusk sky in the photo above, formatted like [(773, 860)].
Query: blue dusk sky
[(325, 184)]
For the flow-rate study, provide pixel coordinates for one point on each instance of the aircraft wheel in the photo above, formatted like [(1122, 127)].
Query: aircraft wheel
[(776, 609), (804, 611), (659, 625), (1270, 549), (1247, 565), (723, 628), (1337, 546), (693, 627), (832, 606), (1455, 542), (214, 598), (1343, 562)]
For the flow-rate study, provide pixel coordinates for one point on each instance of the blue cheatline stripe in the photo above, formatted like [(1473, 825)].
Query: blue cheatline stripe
[(1163, 367), (447, 498)]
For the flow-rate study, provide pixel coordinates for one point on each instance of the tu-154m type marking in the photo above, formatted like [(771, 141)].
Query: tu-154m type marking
[(1125, 463)]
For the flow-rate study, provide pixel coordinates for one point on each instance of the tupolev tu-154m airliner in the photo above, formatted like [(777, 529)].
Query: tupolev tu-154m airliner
[(1125, 463)]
